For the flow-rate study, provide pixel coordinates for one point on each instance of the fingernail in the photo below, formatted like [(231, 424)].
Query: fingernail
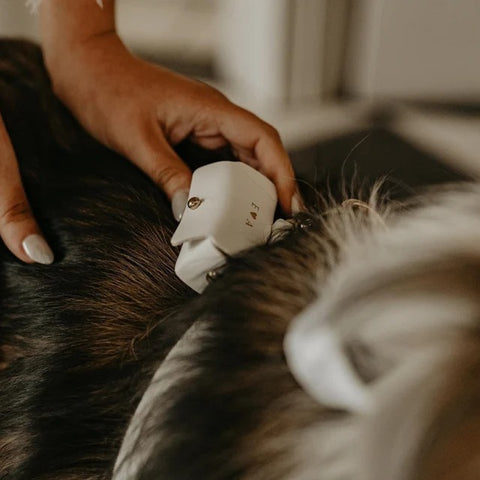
[(297, 203), (37, 249), (179, 202)]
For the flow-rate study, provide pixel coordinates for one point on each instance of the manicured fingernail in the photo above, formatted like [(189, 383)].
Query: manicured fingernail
[(179, 202), (297, 203), (37, 249)]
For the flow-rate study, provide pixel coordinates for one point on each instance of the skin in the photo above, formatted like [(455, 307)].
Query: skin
[(136, 108), (16, 220)]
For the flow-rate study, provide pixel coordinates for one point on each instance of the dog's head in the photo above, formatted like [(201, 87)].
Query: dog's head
[(382, 345)]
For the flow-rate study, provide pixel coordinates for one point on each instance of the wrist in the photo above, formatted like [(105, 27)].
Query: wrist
[(69, 27), (79, 69)]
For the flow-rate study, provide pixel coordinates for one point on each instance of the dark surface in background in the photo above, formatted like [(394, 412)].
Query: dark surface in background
[(357, 160)]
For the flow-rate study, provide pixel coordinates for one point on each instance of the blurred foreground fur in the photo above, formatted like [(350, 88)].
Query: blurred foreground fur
[(81, 340)]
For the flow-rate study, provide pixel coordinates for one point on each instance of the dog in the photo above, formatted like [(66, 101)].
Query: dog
[(347, 347)]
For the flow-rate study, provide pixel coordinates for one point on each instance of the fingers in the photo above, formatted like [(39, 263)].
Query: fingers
[(153, 154), (209, 142), (18, 228), (251, 136)]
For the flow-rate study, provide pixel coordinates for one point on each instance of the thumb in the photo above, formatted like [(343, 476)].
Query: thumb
[(158, 160), (18, 228)]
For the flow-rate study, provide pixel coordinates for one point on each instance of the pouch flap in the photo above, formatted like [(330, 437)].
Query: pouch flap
[(236, 206)]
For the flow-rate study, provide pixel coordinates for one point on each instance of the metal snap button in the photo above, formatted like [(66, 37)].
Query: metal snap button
[(194, 202)]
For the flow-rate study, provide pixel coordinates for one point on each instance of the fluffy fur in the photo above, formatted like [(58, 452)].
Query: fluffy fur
[(81, 340)]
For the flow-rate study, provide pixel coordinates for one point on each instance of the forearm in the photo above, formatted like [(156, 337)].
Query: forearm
[(67, 29), (65, 23), (80, 47)]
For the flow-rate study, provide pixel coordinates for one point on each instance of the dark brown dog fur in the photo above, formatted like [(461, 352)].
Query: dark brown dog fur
[(81, 339)]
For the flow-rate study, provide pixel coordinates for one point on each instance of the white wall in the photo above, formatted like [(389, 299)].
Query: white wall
[(252, 52), (420, 49), (16, 19), (185, 28)]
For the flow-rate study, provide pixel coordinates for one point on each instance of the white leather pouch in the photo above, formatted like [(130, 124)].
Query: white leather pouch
[(231, 208)]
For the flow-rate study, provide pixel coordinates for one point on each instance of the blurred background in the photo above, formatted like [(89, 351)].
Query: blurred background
[(376, 86)]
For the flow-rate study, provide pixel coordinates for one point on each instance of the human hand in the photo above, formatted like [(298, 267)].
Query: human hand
[(18, 228), (141, 110)]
